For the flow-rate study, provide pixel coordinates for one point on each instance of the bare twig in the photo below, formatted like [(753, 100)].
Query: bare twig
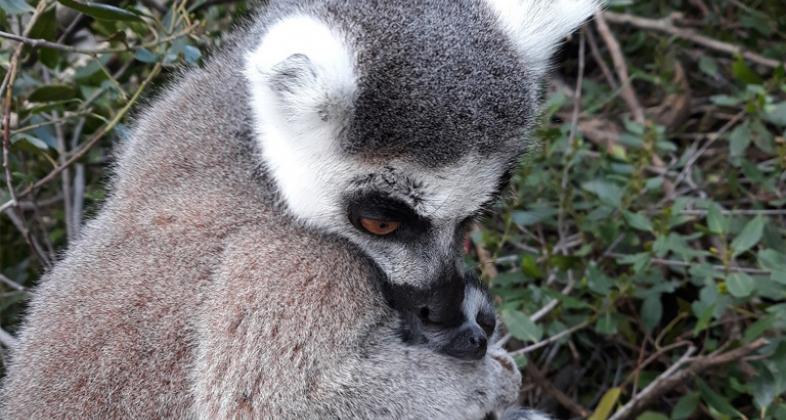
[(42, 43), (675, 263), (595, 50), (8, 85), (654, 389), (703, 149), (674, 376), (560, 396), (554, 338), (31, 241), (745, 212), (85, 147), (546, 309), (665, 25), (487, 267), (620, 67), (7, 339), (12, 284)]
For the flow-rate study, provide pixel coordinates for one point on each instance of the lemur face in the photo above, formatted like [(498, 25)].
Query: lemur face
[(456, 319), (397, 145)]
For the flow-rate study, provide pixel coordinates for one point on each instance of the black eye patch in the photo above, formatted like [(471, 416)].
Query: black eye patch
[(378, 206)]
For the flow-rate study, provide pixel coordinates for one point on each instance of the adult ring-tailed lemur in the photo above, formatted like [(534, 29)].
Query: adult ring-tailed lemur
[(279, 219)]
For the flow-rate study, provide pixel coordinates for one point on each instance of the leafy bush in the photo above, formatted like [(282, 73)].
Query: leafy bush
[(639, 261)]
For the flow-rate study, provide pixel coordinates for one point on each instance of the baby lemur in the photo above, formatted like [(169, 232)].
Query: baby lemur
[(455, 318)]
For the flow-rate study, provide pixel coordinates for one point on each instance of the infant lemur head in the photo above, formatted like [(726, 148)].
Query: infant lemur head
[(455, 318), (395, 123)]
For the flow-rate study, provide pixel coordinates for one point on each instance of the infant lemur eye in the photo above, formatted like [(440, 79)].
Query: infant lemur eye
[(424, 312), (488, 323), (379, 227)]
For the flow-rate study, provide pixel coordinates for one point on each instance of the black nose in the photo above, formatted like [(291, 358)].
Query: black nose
[(470, 343), (478, 341)]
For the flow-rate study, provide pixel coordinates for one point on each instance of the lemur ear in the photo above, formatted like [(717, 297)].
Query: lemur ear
[(537, 26), (302, 75)]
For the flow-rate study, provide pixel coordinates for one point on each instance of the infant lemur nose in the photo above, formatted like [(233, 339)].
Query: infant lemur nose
[(478, 341)]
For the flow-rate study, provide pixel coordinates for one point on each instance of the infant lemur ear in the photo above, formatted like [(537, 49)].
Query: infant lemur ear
[(537, 26)]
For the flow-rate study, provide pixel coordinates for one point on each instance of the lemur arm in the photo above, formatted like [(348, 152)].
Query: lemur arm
[(293, 340)]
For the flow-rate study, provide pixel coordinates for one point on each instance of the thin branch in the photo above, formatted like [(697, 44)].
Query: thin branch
[(553, 339), (604, 68), (42, 43), (657, 385), (627, 92), (675, 263), (8, 85), (665, 25), (7, 339), (560, 396), (739, 212), (12, 284), (546, 309), (85, 147), (673, 376), (711, 139)]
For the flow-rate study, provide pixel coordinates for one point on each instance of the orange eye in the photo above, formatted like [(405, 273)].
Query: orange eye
[(379, 227)]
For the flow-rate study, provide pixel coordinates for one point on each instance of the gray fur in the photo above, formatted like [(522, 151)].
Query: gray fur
[(195, 294)]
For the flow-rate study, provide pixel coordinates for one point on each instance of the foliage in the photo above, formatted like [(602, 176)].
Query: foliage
[(625, 242), (655, 236)]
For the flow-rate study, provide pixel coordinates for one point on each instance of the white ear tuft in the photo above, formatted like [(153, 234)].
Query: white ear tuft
[(300, 73), (302, 83), (537, 26)]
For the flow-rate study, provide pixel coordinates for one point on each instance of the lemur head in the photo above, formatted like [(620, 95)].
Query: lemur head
[(394, 124), (454, 318)]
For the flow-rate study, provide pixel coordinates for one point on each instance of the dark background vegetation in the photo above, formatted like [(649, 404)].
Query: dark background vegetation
[(639, 262)]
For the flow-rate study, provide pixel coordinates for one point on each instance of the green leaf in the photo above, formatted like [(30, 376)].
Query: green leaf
[(146, 56), (716, 401), (52, 93), (597, 281), (638, 261), (744, 73), (758, 328), (685, 406), (703, 318), (717, 223), (102, 11), (15, 7), (739, 140), (764, 387), (749, 237), (191, 54), (725, 100), (520, 326), (532, 217), (606, 324), (33, 141), (638, 221), (530, 267), (651, 415), (740, 285), (778, 277), (709, 66), (609, 193), (606, 405), (777, 114), (770, 259), (651, 311)]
